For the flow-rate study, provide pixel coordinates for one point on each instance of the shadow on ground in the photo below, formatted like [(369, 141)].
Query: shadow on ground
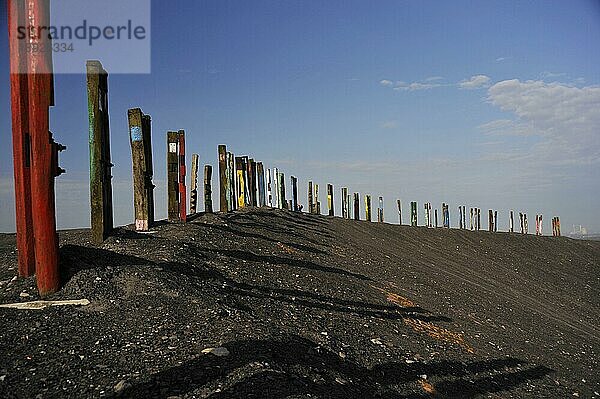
[(297, 366)]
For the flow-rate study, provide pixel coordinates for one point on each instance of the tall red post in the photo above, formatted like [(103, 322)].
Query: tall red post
[(44, 160), (21, 139), (182, 190)]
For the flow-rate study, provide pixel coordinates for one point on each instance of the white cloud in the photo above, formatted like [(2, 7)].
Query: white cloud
[(475, 82), (433, 78), (500, 59), (385, 82), (389, 125), (415, 86), (565, 118)]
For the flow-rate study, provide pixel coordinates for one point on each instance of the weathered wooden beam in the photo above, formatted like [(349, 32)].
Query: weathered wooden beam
[(317, 204), (222, 152), (310, 198), (294, 182), (367, 207), (413, 213), (330, 210), (511, 223), (281, 186), (251, 183), (228, 197), (194, 185), (495, 221), (182, 189), (99, 142), (356, 206), (436, 218), (241, 181), (231, 180), (269, 188), (345, 203), (380, 210), (464, 217), (208, 207), (525, 224), (490, 220), (44, 151), (260, 174), (478, 218), (399, 203), (21, 139), (173, 176), (140, 138)]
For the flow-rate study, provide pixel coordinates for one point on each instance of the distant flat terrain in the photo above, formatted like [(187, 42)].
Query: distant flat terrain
[(307, 306)]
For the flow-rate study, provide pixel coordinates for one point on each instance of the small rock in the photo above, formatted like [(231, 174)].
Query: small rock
[(219, 351), (24, 295), (408, 361), (423, 376), (2, 377), (120, 387), (376, 341)]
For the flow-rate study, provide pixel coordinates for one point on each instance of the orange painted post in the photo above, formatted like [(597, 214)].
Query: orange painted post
[(21, 139), (172, 176)]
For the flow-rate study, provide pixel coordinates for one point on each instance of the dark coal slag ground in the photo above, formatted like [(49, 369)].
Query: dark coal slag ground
[(308, 306)]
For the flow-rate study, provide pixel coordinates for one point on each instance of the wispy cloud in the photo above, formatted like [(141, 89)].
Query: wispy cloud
[(386, 82), (475, 82), (389, 125), (433, 78)]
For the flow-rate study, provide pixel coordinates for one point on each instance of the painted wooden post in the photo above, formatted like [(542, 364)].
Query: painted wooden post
[(330, 210), (349, 201), (345, 210), (260, 173), (222, 152), (182, 189), (526, 225), (228, 185), (464, 216), (233, 204), (41, 152), (426, 215), (311, 205), (281, 185), (521, 224), (495, 221), (173, 176), (317, 204), (208, 207), (99, 141), (241, 186), (194, 185), (367, 207), (511, 223), (541, 225), (446, 216), (294, 181), (399, 211), (356, 206), (413, 213), (269, 188), (140, 138), (251, 182), (471, 226), (490, 220), (276, 188), (21, 139), (380, 210), (478, 218)]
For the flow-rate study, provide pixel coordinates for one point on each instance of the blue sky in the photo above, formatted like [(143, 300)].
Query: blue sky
[(476, 103)]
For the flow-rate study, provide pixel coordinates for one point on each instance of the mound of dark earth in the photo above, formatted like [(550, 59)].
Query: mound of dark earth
[(306, 306)]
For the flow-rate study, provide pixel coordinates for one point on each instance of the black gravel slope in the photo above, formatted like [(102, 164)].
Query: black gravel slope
[(307, 306)]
